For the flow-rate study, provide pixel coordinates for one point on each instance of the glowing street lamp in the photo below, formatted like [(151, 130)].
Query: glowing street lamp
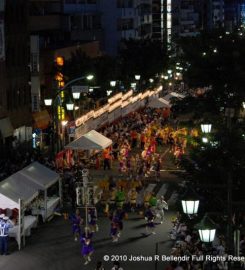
[(206, 229), (137, 77), (113, 83), (90, 77), (64, 122), (76, 94), (48, 101), (205, 140), (108, 92), (69, 105), (206, 128), (190, 202)]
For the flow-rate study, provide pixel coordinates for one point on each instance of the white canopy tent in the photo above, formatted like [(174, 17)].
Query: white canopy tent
[(41, 175), (173, 95), (92, 140), (17, 192), (13, 189), (159, 103), (44, 178)]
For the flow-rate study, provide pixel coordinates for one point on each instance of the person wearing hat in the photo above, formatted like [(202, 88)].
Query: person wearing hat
[(5, 225)]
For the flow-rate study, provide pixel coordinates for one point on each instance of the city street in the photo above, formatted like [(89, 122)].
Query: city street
[(51, 246)]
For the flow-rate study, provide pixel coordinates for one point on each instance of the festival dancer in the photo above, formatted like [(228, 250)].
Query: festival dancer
[(92, 219), (118, 219), (114, 231), (149, 216), (77, 221), (161, 205), (87, 247), (132, 198)]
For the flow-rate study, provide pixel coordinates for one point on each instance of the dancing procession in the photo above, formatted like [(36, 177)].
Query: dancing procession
[(122, 134), (142, 144)]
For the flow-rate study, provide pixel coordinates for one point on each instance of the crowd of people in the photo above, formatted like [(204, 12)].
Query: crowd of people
[(187, 243), (136, 140), (141, 141)]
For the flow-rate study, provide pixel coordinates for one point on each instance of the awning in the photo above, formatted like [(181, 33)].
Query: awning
[(6, 128), (92, 140), (14, 188), (159, 103), (173, 95), (40, 175)]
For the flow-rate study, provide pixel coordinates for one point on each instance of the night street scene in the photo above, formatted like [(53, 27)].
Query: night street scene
[(122, 134)]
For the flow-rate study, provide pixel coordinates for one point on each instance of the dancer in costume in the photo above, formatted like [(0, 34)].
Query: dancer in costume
[(87, 248)]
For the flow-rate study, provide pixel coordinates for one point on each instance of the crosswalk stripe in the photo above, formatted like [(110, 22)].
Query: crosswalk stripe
[(163, 190), (173, 198), (150, 187)]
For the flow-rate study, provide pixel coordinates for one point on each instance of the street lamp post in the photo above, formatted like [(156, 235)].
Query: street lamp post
[(206, 129), (190, 202), (137, 78), (113, 83), (69, 107), (206, 229)]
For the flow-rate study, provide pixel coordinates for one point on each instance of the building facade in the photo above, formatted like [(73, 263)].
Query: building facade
[(15, 72), (109, 21)]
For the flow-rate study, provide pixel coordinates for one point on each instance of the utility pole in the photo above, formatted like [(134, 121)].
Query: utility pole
[(229, 113), (84, 195)]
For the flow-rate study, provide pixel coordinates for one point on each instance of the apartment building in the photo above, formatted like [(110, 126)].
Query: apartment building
[(15, 113), (109, 21)]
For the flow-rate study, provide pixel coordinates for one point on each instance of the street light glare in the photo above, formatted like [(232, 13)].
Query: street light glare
[(76, 95), (112, 83), (205, 140), (48, 101), (69, 106), (206, 128), (90, 77), (64, 122), (137, 77)]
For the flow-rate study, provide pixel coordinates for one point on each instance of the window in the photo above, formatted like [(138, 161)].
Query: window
[(124, 3), (125, 24)]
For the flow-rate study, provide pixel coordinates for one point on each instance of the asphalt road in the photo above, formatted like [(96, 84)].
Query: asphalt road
[(52, 247)]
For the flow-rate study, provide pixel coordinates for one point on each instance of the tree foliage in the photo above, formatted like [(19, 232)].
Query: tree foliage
[(216, 60)]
